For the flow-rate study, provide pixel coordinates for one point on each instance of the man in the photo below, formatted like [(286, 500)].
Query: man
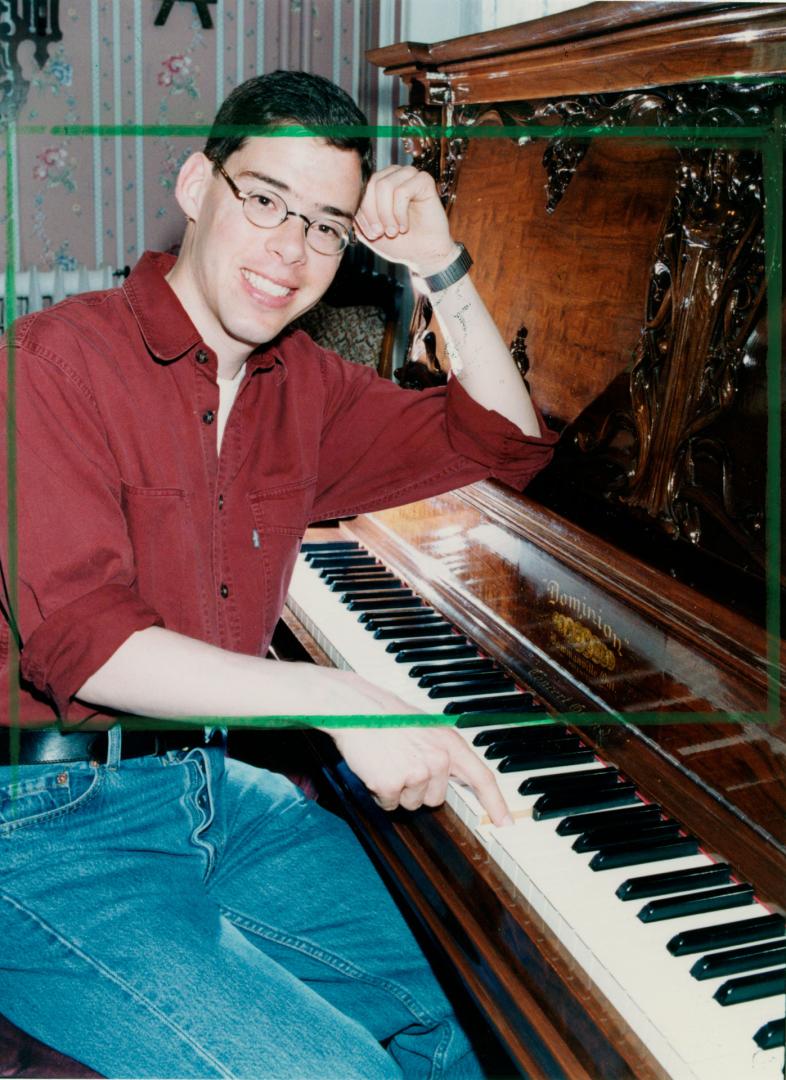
[(165, 911)]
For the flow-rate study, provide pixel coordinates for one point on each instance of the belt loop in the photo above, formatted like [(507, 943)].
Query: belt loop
[(114, 742)]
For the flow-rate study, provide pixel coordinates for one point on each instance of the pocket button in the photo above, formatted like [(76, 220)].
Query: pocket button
[(62, 778)]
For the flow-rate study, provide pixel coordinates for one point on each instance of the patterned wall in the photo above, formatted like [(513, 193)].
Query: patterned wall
[(91, 198)]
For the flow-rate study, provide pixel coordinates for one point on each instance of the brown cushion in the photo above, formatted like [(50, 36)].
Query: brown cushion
[(22, 1055), (356, 333)]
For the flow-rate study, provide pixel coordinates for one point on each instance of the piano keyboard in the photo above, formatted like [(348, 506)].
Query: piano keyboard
[(685, 953)]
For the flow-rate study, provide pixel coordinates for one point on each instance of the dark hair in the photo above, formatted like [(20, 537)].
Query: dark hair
[(289, 97)]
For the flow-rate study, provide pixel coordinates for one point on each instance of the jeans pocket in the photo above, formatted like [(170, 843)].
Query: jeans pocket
[(46, 796)]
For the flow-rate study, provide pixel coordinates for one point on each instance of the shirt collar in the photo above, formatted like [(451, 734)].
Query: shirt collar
[(163, 321)]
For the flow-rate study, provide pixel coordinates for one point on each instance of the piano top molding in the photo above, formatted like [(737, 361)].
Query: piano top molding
[(594, 49)]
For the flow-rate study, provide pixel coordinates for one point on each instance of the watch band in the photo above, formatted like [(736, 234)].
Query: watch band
[(451, 274)]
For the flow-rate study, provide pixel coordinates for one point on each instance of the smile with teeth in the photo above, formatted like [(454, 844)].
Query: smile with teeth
[(265, 285)]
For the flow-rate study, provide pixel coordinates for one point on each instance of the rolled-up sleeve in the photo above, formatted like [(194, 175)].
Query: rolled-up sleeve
[(75, 567), (383, 446), (492, 441)]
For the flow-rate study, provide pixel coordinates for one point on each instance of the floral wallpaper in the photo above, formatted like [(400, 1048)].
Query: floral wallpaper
[(84, 194)]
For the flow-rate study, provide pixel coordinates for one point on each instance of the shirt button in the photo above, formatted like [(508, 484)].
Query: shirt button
[(208, 417), (220, 502), (201, 356), (224, 590)]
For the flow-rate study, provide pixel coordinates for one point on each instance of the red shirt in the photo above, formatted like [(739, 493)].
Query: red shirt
[(127, 516)]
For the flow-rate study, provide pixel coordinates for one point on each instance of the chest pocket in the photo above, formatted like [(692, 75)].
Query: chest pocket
[(280, 515), (170, 574)]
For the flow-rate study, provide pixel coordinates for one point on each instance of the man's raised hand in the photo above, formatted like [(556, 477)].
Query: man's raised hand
[(402, 218)]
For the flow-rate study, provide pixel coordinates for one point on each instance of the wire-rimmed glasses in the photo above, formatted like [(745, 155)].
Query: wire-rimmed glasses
[(266, 209)]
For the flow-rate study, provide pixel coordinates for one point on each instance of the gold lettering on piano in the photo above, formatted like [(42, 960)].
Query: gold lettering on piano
[(572, 628), (583, 641)]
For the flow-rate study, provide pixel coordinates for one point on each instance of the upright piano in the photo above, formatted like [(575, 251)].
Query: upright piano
[(616, 173)]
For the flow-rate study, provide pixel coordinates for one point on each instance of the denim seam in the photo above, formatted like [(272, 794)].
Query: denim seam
[(330, 960), (115, 978), (438, 1061), (9, 827)]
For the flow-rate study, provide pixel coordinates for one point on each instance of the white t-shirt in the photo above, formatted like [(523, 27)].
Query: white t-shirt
[(227, 392)]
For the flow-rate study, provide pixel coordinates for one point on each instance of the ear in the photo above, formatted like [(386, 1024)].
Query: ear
[(192, 181)]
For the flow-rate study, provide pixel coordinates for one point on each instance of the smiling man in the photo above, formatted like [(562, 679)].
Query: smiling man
[(166, 910)]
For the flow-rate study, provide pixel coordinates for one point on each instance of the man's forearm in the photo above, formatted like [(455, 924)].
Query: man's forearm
[(157, 672), (478, 356)]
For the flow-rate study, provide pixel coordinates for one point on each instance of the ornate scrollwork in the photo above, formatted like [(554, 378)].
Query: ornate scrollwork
[(518, 350), (706, 293), (705, 298), (421, 145), (706, 105)]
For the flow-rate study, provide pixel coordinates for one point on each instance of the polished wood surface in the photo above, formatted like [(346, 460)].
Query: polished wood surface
[(595, 49)]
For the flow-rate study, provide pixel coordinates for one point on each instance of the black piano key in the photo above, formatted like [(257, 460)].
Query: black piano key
[(412, 630), (534, 785), (489, 718), (603, 836), (674, 907), (771, 1035), (403, 598), (352, 577), (349, 587), (330, 545), (373, 621), (496, 684), (721, 935), (478, 664), (633, 854), (436, 641), (578, 823), (447, 652), (510, 703), (349, 569), (439, 678), (673, 881), (518, 762), (558, 803), (526, 732), (737, 961), (514, 747), (752, 987), (349, 561)]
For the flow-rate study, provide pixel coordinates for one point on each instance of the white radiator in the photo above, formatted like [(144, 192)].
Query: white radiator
[(35, 289)]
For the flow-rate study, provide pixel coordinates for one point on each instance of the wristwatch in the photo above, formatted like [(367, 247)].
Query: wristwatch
[(451, 274)]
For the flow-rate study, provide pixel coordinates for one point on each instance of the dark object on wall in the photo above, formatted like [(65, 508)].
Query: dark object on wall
[(28, 20), (200, 5)]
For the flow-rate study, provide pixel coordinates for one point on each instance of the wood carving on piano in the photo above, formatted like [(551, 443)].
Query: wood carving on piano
[(635, 589)]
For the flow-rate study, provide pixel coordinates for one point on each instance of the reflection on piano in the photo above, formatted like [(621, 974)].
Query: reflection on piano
[(609, 640)]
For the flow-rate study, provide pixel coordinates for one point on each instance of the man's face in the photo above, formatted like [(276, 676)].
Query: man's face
[(245, 283)]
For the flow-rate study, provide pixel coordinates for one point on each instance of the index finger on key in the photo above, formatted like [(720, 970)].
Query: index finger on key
[(471, 770)]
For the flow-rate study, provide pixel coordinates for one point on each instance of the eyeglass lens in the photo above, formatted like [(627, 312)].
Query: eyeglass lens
[(267, 210)]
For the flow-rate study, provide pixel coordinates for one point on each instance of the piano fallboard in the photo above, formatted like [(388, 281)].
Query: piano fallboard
[(725, 773)]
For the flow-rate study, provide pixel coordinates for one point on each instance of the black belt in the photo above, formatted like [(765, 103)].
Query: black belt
[(50, 747)]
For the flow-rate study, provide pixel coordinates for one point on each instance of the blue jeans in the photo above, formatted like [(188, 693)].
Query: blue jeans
[(191, 916)]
